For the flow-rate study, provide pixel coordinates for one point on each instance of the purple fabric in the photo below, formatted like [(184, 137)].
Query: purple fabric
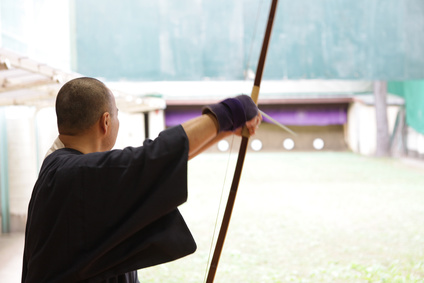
[(232, 113), (176, 117), (237, 113), (296, 117), (309, 117), (249, 107)]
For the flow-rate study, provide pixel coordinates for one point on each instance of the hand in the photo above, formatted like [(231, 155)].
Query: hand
[(232, 113), (251, 125)]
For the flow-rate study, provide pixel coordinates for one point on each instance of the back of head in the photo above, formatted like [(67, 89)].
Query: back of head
[(80, 103)]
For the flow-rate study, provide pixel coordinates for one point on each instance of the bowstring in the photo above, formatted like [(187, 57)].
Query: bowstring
[(231, 145), (219, 209)]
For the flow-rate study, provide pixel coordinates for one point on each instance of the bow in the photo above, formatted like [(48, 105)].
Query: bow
[(242, 151)]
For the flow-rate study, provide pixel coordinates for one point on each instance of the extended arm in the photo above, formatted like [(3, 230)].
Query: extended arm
[(201, 131)]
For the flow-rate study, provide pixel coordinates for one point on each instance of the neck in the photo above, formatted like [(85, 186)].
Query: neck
[(83, 143)]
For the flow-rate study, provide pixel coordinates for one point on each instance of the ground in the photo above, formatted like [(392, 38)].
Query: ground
[(306, 217)]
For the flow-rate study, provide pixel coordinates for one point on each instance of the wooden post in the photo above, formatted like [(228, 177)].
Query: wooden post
[(383, 139)]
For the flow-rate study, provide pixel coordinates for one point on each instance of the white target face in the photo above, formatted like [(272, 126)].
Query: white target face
[(256, 145), (318, 144), (223, 145), (288, 144)]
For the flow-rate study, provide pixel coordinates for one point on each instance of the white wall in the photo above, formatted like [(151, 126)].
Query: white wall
[(46, 131), (131, 130), (22, 161), (361, 129), (156, 123)]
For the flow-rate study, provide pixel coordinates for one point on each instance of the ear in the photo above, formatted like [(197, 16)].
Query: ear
[(105, 122)]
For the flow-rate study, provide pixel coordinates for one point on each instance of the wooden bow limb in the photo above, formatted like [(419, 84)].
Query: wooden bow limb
[(242, 151)]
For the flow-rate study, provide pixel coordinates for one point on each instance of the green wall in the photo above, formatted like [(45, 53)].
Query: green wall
[(217, 39), (413, 93)]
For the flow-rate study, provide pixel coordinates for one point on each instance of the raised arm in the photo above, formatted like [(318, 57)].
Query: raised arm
[(200, 132)]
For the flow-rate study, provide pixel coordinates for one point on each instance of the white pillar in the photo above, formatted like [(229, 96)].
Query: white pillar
[(22, 162)]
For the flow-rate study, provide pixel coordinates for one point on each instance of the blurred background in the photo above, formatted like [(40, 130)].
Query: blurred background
[(346, 76)]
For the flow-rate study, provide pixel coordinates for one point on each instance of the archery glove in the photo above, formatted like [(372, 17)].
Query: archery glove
[(232, 113)]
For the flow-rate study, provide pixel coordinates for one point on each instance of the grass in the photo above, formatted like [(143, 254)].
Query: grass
[(305, 217)]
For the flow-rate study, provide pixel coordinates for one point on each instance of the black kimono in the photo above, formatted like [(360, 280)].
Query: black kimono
[(98, 217)]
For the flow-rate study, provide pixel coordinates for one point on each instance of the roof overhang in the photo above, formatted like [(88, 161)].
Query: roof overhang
[(24, 81)]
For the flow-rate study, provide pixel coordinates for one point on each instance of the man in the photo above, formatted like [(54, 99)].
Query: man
[(98, 215)]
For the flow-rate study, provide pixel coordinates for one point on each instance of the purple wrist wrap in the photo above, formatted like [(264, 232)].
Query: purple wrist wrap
[(232, 113), (237, 113)]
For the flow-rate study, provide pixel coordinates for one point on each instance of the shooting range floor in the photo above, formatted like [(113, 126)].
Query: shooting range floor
[(298, 217)]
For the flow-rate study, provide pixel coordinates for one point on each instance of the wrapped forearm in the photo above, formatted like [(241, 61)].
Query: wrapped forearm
[(232, 113)]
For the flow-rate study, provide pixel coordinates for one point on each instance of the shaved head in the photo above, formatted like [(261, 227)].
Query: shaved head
[(80, 103)]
